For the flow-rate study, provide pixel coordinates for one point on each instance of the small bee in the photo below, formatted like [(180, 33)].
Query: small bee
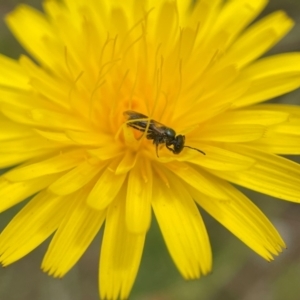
[(159, 133)]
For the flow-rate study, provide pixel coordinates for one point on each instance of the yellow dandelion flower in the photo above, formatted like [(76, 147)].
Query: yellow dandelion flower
[(94, 124)]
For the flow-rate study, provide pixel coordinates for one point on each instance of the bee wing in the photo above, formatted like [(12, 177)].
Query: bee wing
[(132, 115), (136, 120), (141, 124), (157, 127)]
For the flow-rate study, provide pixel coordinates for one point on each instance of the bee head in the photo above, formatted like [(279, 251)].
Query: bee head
[(178, 143)]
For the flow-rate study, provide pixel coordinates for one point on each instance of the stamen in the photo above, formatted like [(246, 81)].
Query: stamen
[(177, 96), (158, 85), (114, 48), (146, 46), (143, 19), (73, 86), (91, 101), (196, 81), (103, 48), (116, 98), (67, 61), (156, 63), (133, 87), (131, 45)]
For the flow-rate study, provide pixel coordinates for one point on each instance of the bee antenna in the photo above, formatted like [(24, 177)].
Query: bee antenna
[(195, 149)]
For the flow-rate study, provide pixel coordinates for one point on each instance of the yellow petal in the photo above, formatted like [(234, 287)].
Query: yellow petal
[(27, 144), (120, 254), (266, 88), (73, 48), (271, 174), (90, 138), (260, 116), (127, 163), (12, 75), (291, 127), (196, 178), (293, 110), (14, 158), (55, 90), (257, 39), (231, 133), (35, 39), (166, 31), (57, 120), (43, 118), (243, 10), (184, 9), (240, 216), (60, 137), (119, 21), (138, 198), (31, 226), (52, 165), (204, 12), (217, 158), (12, 193), (103, 191), (99, 9), (282, 138), (20, 99), (182, 228), (271, 77), (287, 63), (12, 131), (107, 151), (279, 143), (76, 178), (216, 104), (223, 77), (75, 233)]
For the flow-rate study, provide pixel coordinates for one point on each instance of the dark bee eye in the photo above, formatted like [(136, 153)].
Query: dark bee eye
[(179, 144)]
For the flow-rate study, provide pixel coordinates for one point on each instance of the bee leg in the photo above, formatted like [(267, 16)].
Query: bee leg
[(171, 149), (157, 150), (156, 143)]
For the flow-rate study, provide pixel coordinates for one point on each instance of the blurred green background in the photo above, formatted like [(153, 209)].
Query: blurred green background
[(238, 273)]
